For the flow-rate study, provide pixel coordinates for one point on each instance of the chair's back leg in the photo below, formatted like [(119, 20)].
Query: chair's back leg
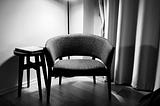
[(48, 89), (109, 86), (49, 84), (60, 80), (94, 79)]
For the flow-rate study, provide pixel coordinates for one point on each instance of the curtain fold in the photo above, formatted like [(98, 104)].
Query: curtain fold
[(157, 80), (102, 16), (137, 41), (147, 45), (126, 41)]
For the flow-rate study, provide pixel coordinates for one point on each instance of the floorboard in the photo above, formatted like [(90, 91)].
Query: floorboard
[(75, 91)]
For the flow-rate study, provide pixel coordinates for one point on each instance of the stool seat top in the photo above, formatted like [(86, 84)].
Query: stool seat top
[(30, 50)]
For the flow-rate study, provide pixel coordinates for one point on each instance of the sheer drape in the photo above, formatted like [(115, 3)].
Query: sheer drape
[(102, 16), (136, 33)]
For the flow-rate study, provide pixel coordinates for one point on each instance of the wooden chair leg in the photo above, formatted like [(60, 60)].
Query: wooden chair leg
[(94, 79), (109, 86), (20, 74), (48, 88), (44, 68), (38, 77), (60, 80), (28, 71)]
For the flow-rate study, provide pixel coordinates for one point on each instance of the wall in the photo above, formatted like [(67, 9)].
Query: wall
[(84, 16), (88, 23), (76, 16), (91, 22), (26, 23)]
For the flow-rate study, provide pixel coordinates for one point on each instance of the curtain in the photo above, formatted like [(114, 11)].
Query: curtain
[(147, 45), (102, 16), (108, 10), (134, 29)]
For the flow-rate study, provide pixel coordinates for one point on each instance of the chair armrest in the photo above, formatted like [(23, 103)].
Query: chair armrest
[(110, 58), (48, 57)]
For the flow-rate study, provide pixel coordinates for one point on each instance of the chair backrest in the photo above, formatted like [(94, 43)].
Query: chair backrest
[(80, 44)]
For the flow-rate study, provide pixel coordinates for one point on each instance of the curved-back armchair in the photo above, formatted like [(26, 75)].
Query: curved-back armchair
[(78, 45)]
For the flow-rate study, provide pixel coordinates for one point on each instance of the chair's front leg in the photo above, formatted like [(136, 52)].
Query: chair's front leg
[(109, 84), (49, 84), (48, 89)]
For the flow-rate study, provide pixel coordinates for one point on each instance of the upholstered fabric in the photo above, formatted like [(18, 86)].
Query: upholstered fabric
[(79, 44), (79, 67)]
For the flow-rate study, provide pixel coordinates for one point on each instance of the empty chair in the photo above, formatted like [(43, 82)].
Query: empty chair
[(78, 45)]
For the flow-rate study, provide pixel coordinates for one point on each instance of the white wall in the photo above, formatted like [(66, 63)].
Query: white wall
[(76, 16), (88, 23), (84, 16), (26, 23)]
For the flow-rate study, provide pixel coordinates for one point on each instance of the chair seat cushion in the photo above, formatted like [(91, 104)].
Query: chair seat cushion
[(79, 67)]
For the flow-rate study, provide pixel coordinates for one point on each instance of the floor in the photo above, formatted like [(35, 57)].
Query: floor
[(75, 91)]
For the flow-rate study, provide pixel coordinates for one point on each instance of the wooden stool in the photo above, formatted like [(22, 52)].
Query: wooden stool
[(38, 54)]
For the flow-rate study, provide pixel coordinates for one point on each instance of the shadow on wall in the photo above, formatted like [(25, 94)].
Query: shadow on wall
[(8, 74)]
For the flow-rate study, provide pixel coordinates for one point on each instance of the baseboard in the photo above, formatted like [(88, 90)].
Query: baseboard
[(11, 89)]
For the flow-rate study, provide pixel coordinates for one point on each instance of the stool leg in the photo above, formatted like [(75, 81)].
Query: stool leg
[(44, 68), (28, 71), (20, 74), (38, 76)]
